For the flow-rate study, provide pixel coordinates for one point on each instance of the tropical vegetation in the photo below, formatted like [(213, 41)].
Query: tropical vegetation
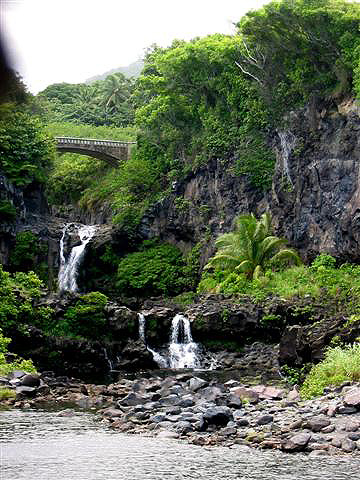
[(251, 247), (341, 364)]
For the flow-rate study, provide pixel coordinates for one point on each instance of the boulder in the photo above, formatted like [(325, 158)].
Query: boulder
[(219, 416), (30, 380), (315, 424), (352, 398), (296, 443)]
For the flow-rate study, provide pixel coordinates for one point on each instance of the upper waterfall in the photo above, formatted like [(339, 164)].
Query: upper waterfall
[(69, 264)]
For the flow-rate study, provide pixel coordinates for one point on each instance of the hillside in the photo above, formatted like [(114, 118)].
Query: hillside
[(131, 70)]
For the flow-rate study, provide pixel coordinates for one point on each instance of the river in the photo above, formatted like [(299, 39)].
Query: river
[(45, 446)]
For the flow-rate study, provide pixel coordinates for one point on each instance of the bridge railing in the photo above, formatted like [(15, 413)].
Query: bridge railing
[(92, 142)]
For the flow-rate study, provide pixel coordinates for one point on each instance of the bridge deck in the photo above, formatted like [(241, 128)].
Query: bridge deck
[(92, 142)]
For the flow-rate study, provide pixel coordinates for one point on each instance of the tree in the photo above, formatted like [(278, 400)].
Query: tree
[(26, 151), (298, 49), (251, 247)]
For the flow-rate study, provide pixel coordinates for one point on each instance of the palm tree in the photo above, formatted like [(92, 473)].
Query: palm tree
[(115, 91), (250, 247)]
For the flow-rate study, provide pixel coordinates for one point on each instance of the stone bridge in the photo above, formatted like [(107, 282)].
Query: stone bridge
[(110, 151)]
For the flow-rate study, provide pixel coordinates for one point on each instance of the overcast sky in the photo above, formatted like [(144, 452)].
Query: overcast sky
[(54, 41)]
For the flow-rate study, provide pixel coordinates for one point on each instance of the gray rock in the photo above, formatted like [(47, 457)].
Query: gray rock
[(113, 412), (132, 399), (28, 391), (218, 416), (296, 443), (315, 424), (348, 445), (264, 420), (210, 393), (352, 398), (183, 427), (170, 400), (196, 383), (30, 380), (233, 401), (346, 410)]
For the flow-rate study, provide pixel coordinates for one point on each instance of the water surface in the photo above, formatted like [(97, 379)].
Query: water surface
[(44, 446)]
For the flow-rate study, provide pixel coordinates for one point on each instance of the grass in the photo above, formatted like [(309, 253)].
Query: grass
[(339, 365), (6, 393)]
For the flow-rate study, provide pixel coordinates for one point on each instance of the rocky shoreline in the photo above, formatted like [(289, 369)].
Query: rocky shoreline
[(205, 412)]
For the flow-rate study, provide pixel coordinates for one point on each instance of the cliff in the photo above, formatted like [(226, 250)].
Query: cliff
[(315, 194)]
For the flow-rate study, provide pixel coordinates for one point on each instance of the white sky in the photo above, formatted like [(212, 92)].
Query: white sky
[(54, 41)]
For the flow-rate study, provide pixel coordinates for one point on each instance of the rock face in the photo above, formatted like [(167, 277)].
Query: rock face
[(314, 200), (32, 214), (316, 189)]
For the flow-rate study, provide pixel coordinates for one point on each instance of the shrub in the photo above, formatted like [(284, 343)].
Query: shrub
[(17, 364), (24, 254), (157, 269), (17, 294), (323, 260), (85, 319), (339, 365), (7, 211)]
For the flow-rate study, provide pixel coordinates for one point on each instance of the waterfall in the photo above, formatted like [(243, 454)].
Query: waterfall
[(69, 266), (287, 142), (183, 351), (159, 359)]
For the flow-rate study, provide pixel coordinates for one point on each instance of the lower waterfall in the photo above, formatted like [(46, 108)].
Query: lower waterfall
[(69, 265), (159, 359), (183, 352)]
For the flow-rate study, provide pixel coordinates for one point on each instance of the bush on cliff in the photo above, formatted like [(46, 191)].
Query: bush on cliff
[(158, 269), (86, 319), (18, 293), (17, 363), (340, 364)]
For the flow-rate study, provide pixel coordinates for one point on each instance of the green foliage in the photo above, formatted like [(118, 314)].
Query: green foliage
[(156, 269), (184, 299), (104, 102), (7, 211), (7, 367), (339, 365), (85, 319), (26, 151), (17, 295), (250, 248), (192, 104), (295, 376), (272, 320), (6, 393), (296, 50), (323, 261), (25, 253)]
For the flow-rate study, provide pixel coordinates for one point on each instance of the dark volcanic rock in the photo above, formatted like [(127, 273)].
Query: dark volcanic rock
[(217, 415)]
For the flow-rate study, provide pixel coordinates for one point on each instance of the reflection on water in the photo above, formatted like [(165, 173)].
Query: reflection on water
[(43, 446)]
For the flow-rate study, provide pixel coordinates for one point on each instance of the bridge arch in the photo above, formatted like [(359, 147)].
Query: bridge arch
[(110, 151)]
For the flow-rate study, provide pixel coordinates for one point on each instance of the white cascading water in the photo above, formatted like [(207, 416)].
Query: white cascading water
[(287, 142), (159, 359), (183, 351), (69, 266)]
